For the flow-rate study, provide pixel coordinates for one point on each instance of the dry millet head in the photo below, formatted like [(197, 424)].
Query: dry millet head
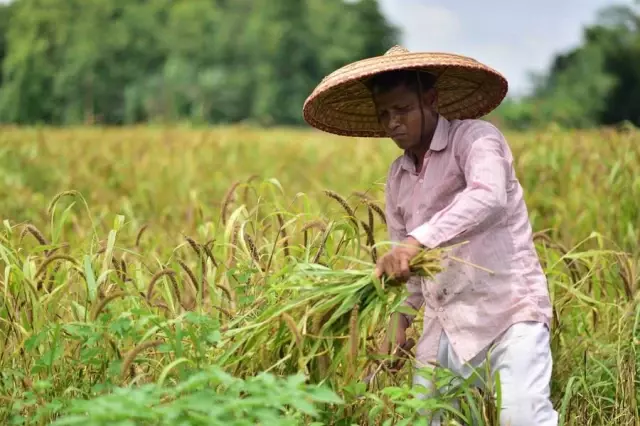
[(252, 248), (228, 198), (106, 301), (58, 196), (200, 252), (193, 245), (232, 243), (168, 272), (283, 231), (291, 325), (344, 204), (123, 268), (226, 291), (248, 186), (371, 241), (322, 246), (139, 234), (207, 250), (354, 333), (48, 261), (116, 266), (627, 273), (36, 234), (192, 276), (318, 224), (376, 208), (131, 356)]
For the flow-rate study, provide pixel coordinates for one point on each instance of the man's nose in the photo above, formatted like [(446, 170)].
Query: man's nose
[(394, 121)]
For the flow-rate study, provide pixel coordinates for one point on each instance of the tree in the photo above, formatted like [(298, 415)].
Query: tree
[(128, 61), (5, 18), (377, 34), (596, 83)]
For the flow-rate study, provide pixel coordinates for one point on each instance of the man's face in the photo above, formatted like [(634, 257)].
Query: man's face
[(399, 114)]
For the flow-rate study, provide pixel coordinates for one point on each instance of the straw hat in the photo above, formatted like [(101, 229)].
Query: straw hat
[(342, 104)]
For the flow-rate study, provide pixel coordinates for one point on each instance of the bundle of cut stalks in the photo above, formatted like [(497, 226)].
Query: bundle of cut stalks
[(317, 310)]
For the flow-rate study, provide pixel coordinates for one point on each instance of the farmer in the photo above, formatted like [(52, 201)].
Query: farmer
[(454, 184)]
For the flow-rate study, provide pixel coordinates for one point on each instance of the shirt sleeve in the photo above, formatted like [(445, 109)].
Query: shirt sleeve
[(486, 170), (397, 232)]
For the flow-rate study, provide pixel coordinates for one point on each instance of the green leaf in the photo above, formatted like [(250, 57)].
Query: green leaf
[(326, 395), (35, 340), (405, 309), (213, 337), (305, 406), (92, 288), (79, 311)]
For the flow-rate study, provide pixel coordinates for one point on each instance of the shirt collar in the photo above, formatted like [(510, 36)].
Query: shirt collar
[(439, 142), (441, 136)]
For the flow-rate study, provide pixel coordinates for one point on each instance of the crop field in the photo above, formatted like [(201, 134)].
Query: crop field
[(224, 277)]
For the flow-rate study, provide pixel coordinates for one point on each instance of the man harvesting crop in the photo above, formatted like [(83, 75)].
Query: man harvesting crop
[(454, 183)]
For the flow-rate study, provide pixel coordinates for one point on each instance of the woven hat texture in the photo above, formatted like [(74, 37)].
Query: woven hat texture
[(342, 104)]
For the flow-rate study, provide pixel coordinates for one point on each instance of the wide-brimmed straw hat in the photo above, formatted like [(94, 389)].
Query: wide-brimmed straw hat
[(342, 103)]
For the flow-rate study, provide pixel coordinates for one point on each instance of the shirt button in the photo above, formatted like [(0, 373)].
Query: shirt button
[(421, 180), (441, 309)]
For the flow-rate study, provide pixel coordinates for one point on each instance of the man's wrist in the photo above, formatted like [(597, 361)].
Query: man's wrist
[(423, 235), (414, 241)]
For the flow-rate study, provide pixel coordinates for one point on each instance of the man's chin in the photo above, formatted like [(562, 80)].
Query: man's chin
[(402, 143)]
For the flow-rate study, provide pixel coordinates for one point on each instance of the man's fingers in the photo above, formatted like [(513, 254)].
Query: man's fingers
[(397, 268), (393, 265), (388, 266), (404, 267), (380, 266)]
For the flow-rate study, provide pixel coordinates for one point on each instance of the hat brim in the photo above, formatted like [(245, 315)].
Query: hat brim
[(342, 104)]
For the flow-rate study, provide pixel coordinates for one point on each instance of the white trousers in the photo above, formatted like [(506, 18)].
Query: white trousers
[(522, 356)]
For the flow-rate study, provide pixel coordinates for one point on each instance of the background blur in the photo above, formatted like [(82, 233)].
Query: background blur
[(572, 62)]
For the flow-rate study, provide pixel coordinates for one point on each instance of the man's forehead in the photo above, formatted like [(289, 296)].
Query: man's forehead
[(398, 94)]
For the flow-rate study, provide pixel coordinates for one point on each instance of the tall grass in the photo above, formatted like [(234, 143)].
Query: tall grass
[(224, 277)]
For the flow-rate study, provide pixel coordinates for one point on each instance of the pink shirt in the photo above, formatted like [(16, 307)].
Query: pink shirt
[(467, 192)]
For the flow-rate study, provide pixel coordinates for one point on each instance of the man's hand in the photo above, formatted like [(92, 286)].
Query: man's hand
[(395, 264)]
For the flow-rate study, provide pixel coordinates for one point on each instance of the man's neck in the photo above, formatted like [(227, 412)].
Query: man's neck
[(418, 153)]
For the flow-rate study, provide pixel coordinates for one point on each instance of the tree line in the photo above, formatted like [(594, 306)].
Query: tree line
[(594, 84), (226, 61), (202, 61)]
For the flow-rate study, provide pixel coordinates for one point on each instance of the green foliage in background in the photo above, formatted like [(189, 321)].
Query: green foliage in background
[(596, 83), (126, 61), (66, 62)]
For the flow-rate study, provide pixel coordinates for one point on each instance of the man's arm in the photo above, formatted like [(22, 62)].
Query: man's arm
[(486, 169)]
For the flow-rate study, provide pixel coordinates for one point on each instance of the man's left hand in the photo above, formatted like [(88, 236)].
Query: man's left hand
[(395, 264)]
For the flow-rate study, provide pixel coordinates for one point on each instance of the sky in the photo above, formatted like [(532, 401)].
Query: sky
[(512, 36)]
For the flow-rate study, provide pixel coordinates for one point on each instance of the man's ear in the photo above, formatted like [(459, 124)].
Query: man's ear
[(431, 98)]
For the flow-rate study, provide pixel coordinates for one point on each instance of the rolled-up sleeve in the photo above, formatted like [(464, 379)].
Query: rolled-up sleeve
[(486, 170)]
